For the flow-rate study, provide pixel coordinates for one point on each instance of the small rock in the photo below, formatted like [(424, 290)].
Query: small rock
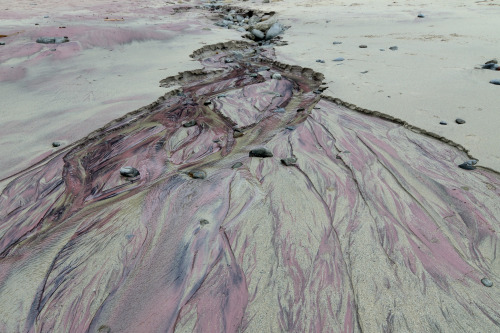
[(460, 121), (291, 128), (197, 174), (421, 15), (468, 165), (337, 43), (189, 123), (239, 18), (321, 61), (263, 68), (495, 81), (289, 161), (254, 75), (260, 152), (363, 46), (2, 43), (52, 40), (492, 61), (276, 76), (258, 34), (265, 1), (280, 110), (129, 171), (300, 109), (486, 282), (53, 50), (204, 222), (382, 49), (274, 31), (442, 122), (393, 48), (317, 92), (45, 16), (56, 144), (237, 165), (339, 59), (207, 103), (228, 60), (364, 72), (238, 133)]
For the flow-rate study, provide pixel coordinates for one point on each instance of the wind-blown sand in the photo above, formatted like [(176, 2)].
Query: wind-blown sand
[(374, 228)]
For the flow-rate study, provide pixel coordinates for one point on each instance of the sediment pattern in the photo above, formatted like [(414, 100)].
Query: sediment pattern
[(374, 228)]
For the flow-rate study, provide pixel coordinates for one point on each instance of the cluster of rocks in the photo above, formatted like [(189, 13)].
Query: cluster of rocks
[(53, 40), (494, 66), (257, 27)]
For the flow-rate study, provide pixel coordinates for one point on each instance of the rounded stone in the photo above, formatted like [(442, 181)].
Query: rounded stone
[(189, 123), (443, 122), (363, 46), (260, 152), (207, 103), (486, 282), (204, 222), (129, 171), (276, 76), (339, 59), (291, 128), (460, 121), (320, 61), (492, 61), (468, 165), (56, 144), (238, 133), (337, 43), (393, 48), (197, 174), (495, 81), (300, 109), (421, 15), (280, 110), (237, 165), (289, 161)]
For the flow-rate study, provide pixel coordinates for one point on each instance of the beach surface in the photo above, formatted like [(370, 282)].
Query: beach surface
[(209, 182)]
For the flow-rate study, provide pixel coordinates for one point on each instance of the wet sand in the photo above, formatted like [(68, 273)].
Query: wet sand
[(374, 228)]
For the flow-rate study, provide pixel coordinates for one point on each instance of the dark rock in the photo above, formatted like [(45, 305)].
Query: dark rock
[(291, 128), (197, 174), (321, 61), (204, 222), (486, 282), (289, 161), (238, 133), (363, 46), (382, 49), (254, 75), (260, 152), (364, 72), (490, 65), (129, 171), (468, 165), (460, 121), (276, 76), (189, 123), (280, 110), (263, 68), (207, 103), (2, 43), (442, 122), (228, 60), (495, 81), (492, 61), (258, 34), (52, 40), (421, 15), (393, 48), (302, 109), (237, 165), (337, 43), (274, 31), (56, 144), (339, 59)]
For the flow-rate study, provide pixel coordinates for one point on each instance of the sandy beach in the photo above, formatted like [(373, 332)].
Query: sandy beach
[(249, 166)]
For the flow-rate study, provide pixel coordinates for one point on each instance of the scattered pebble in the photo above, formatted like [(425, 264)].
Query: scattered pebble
[(421, 15), (393, 48), (492, 61), (56, 144), (468, 165), (238, 133), (263, 68), (2, 43), (486, 282), (258, 34), (254, 75), (337, 43), (280, 110), (260, 152), (382, 49), (460, 121), (52, 40), (129, 171), (204, 222), (197, 174), (339, 59), (495, 81), (363, 46), (276, 76), (228, 60), (442, 122), (46, 16), (274, 31), (300, 109), (364, 72), (189, 123), (237, 165), (207, 103), (291, 128), (317, 92), (491, 66), (321, 61), (289, 161)]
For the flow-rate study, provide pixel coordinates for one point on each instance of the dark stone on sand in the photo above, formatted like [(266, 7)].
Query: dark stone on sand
[(393, 48), (317, 92), (289, 161), (238, 133), (56, 144), (363, 46), (442, 122), (276, 76), (421, 15), (228, 60), (52, 40), (280, 110), (291, 128), (460, 121), (337, 43), (197, 174), (320, 60), (204, 222), (339, 59), (2, 43), (468, 165), (364, 72), (189, 123), (254, 75), (260, 152), (129, 171), (382, 49), (300, 109), (237, 165), (207, 103), (489, 65), (495, 81), (486, 282), (492, 61)]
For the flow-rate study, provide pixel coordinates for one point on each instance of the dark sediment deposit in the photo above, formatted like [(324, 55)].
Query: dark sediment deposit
[(373, 227)]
